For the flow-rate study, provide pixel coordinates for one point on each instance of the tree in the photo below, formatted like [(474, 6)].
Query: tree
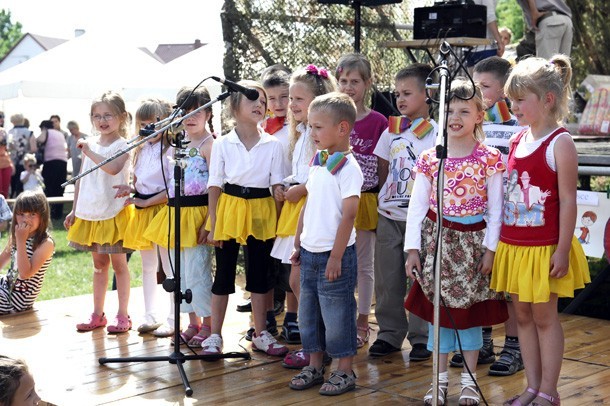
[(9, 33)]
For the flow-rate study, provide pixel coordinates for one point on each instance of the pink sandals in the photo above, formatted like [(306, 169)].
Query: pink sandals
[(121, 324), (95, 321), (514, 401)]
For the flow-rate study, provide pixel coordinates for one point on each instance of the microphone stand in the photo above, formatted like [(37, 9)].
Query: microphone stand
[(441, 154), (172, 285)]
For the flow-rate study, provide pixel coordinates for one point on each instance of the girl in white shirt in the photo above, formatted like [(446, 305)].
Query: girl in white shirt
[(98, 221), (149, 197), (245, 164)]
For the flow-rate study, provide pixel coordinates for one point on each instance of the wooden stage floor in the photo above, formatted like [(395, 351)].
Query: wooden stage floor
[(66, 369)]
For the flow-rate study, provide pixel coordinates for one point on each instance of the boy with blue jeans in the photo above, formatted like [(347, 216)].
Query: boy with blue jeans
[(325, 248), (398, 148)]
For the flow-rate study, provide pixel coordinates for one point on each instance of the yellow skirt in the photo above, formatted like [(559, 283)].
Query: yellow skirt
[(191, 220), (134, 236), (238, 218), (366, 218), (289, 218), (525, 271), (111, 231)]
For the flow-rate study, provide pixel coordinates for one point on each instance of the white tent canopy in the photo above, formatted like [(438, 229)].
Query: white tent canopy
[(66, 78)]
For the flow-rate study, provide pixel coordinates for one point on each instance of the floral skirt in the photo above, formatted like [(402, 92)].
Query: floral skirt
[(238, 218), (134, 235), (289, 218), (366, 218), (161, 228), (105, 236), (525, 271)]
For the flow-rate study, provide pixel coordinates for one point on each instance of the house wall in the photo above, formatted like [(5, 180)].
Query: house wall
[(26, 49)]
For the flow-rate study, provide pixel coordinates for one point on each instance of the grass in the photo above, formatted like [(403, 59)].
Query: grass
[(71, 271)]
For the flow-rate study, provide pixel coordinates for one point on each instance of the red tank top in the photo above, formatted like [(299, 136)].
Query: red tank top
[(531, 205)]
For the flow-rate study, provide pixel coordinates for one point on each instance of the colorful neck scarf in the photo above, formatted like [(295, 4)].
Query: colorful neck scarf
[(333, 162), (498, 113), (274, 124), (420, 127)]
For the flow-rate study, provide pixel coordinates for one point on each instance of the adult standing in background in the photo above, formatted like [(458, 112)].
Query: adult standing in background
[(57, 125), (1, 118), (19, 144), (551, 21), (74, 153), (55, 166)]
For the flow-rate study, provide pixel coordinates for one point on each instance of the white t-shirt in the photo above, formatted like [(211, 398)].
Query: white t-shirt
[(401, 151), (301, 156), (34, 182), (96, 199), (231, 162), (324, 207), (149, 168)]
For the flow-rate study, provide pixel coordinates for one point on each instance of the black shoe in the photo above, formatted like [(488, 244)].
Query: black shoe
[(509, 363), (486, 356), (278, 307), (245, 307), (382, 348), (419, 352), (271, 329)]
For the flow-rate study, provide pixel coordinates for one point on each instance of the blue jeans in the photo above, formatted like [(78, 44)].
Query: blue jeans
[(327, 310)]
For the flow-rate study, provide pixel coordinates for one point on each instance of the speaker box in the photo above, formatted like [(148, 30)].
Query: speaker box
[(450, 20)]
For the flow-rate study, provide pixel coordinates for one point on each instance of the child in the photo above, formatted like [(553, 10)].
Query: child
[(150, 163), (354, 76), (17, 385), (397, 149), (98, 221), (325, 248), (246, 163), (29, 250), (539, 259), (31, 177), (5, 215), (473, 190), (6, 165), (305, 85), (195, 256)]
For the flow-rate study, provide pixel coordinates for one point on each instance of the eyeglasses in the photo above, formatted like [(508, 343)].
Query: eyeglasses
[(105, 117)]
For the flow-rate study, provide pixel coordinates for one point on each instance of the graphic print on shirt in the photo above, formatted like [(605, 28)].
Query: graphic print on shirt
[(524, 206), (401, 171)]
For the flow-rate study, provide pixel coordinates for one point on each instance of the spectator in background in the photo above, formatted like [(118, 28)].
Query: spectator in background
[(57, 125), (6, 215), (6, 165), (506, 34), (485, 51), (1, 118), (55, 166), (19, 144), (551, 23), (74, 153)]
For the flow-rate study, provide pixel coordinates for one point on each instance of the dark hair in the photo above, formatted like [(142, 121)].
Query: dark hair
[(420, 71), (189, 99), (500, 67), (55, 116), (32, 202), (275, 78), (11, 372), (48, 124)]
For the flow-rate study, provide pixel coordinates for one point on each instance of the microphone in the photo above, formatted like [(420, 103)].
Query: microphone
[(250, 93)]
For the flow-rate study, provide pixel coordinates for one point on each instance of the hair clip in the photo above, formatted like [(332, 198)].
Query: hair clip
[(339, 69), (314, 70)]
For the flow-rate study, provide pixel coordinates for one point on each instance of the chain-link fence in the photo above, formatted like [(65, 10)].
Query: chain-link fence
[(296, 33)]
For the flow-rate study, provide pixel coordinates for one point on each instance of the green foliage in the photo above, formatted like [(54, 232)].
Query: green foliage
[(509, 15), (9, 33)]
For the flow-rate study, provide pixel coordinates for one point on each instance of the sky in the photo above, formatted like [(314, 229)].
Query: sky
[(144, 22)]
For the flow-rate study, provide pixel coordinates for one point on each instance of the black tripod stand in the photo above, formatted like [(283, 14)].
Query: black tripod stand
[(173, 285)]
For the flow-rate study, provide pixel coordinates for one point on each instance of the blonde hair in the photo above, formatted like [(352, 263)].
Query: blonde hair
[(17, 119), (462, 90), (29, 158), (317, 85), (358, 63), (539, 76), (237, 98), (117, 105), (151, 110)]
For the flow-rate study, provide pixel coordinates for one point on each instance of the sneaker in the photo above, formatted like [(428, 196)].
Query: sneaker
[(509, 363), (278, 307), (267, 344), (245, 307), (212, 345), (419, 352), (382, 348), (271, 328)]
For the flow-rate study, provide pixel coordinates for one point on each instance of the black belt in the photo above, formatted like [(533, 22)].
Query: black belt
[(372, 190), (189, 201), (143, 197), (246, 192), (546, 15)]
